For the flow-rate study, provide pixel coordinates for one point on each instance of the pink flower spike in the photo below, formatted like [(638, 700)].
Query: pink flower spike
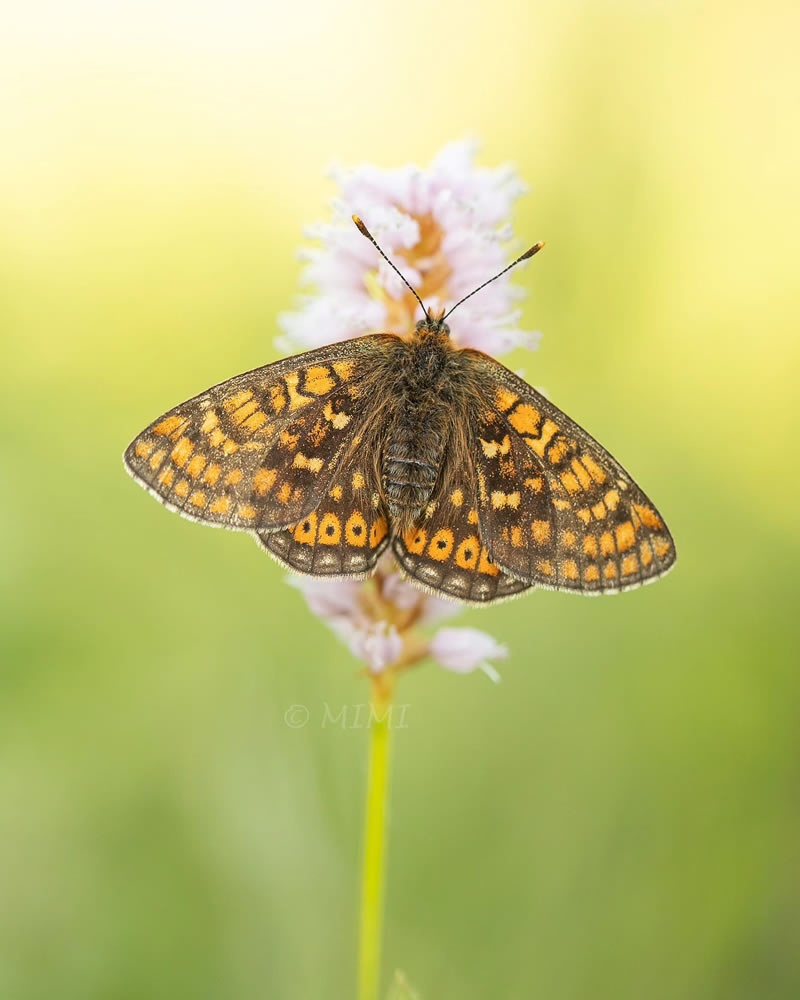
[(377, 645), (463, 650)]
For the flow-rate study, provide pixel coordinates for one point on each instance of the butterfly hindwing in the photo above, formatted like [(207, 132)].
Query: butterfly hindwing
[(554, 507), (445, 552), (346, 534), (260, 450)]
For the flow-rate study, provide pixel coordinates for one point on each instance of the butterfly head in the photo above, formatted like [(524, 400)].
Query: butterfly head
[(433, 325)]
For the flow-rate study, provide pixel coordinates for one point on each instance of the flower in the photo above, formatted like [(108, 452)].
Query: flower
[(466, 649), (446, 229), (378, 620)]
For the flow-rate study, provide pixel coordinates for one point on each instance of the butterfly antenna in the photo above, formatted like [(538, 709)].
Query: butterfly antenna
[(365, 232), (528, 253)]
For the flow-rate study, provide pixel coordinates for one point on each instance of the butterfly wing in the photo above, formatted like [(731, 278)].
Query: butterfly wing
[(261, 449), (554, 507), (346, 534), (445, 552)]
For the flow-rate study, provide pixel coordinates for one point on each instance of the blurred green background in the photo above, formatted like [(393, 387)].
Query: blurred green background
[(620, 817)]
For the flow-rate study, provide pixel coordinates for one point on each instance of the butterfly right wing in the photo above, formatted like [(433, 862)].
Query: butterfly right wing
[(260, 450)]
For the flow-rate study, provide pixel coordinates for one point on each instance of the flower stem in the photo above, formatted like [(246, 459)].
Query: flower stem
[(374, 857)]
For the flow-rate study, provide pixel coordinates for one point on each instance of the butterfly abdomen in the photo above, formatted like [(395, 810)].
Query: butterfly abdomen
[(412, 457)]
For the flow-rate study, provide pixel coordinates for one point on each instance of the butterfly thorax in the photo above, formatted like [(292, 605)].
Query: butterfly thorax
[(412, 458)]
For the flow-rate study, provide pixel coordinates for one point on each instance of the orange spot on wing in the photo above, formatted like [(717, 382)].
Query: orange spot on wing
[(485, 565), (649, 517), (590, 546), (580, 471), (210, 421), (358, 481), (198, 498), (558, 451), (339, 420), (504, 399), (157, 459), (237, 399), (143, 449), (182, 488), (336, 492), (415, 540), (626, 536), (318, 380), (167, 476), (181, 452), (611, 499), (630, 564), (244, 411), (330, 530), (377, 532), (441, 545), (567, 539), (344, 369), (599, 510), (584, 514), (306, 531), (247, 511), (607, 544), (525, 419), (285, 493), (593, 469), (467, 553), (233, 477), (196, 466), (540, 531), (277, 398), (255, 422), (456, 498), (570, 569), (662, 547), (230, 447), (516, 537), (169, 424), (535, 484), (571, 484), (539, 445), (212, 474), (219, 506), (263, 480), (591, 574), (610, 571), (216, 437), (355, 531), (491, 449), (646, 553), (545, 566)]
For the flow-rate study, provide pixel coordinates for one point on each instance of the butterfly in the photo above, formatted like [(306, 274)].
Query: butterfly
[(479, 484)]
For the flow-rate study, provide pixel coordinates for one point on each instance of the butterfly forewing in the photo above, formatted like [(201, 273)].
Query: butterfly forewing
[(260, 450), (554, 507)]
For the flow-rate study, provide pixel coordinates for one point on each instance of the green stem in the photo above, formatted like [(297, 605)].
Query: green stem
[(374, 858)]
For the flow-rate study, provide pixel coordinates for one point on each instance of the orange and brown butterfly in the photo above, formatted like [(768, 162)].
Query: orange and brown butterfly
[(480, 485)]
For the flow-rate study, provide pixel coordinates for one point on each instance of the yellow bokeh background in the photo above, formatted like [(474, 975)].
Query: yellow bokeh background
[(619, 818)]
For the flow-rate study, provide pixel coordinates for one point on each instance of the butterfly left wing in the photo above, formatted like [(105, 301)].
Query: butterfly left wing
[(348, 531), (554, 507)]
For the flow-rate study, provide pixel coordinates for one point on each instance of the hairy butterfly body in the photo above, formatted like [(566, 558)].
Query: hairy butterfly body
[(480, 485)]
